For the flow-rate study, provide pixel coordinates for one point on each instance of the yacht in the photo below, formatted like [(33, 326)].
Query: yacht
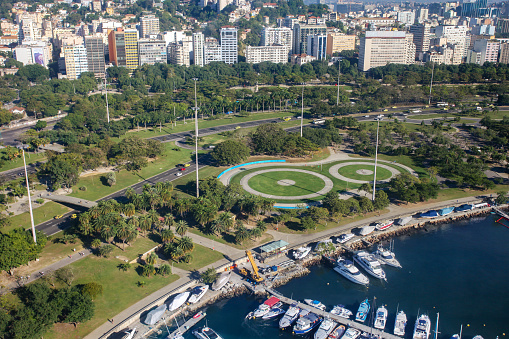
[(384, 225), (274, 312), (301, 252), (348, 270), (197, 293), (221, 281), (400, 324), (290, 316), (351, 333), (307, 323), (345, 237), (315, 304), (337, 333), (478, 337), (325, 329), (341, 311), (362, 312), (386, 256), (264, 308), (422, 327), (381, 318), (206, 333), (370, 264), (129, 335), (366, 230), (178, 301)]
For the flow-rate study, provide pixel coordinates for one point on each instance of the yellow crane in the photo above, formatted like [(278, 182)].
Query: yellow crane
[(255, 275)]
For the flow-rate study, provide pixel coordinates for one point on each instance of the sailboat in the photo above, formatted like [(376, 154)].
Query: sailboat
[(458, 336)]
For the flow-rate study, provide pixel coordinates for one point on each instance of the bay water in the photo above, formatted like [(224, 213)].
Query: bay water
[(460, 270)]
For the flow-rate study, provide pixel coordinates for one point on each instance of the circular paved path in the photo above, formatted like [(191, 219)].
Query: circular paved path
[(334, 171), (328, 184)]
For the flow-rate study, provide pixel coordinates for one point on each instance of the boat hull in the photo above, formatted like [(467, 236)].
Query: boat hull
[(349, 277)]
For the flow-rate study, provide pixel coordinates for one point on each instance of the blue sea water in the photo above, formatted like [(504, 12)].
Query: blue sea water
[(460, 270)]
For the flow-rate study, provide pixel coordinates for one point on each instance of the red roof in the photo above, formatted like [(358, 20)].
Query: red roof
[(271, 301)]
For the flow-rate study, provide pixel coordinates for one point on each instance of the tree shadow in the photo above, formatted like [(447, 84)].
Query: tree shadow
[(195, 275), (139, 270), (294, 226), (155, 237)]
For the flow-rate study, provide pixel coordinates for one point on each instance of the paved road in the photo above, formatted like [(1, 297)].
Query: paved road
[(10, 136)]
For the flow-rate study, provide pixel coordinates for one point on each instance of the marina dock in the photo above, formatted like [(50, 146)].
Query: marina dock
[(188, 324), (502, 214), (339, 320)]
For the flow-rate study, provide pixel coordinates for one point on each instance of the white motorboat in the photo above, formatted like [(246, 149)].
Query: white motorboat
[(341, 311), (478, 337), (386, 256), (155, 315), (422, 327), (381, 318), (348, 270), (178, 301), (206, 333), (400, 324), (290, 316), (301, 252), (370, 264), (307, 323), (337, 332), (367, 230), (384, 225), (221, 281), (274, 312), (351, 333), (345, 237), (266, 306), (315, 304), (129, 334), (326, 327), (197, 293)]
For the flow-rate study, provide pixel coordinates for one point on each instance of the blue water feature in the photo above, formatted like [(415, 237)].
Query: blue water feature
[(247, 164), (460, 270)]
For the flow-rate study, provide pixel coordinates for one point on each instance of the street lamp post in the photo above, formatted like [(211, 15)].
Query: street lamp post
[(431, 83), (107, 106), (196, 137), (29, 198), (302, 111), (376, 157), (339, 72)]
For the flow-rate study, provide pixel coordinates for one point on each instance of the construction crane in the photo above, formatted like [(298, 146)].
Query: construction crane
[(254, 275)]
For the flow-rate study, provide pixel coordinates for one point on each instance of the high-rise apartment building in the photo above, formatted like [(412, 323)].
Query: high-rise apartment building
[(379, 48), (317, 46), (94, 46), (421, 33), (502, 26), (275, 54), (484, 51), (504, 53), (198, 49), (229, 47), (149, 25), (456, 35), (474, 8), (280, 35), (131, 48), (337, 42), (151, 52), (116, 47), (33, 52), (300, 36), (421, 15), (211, 51), (406, 17), (178, 53), (75, 57)]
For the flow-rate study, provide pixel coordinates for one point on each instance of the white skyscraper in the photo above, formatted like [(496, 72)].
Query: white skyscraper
[(456, 35), (198, 49), (275, 54), (379, 48), (76, 62), (317, 46), (407, 17), (279, 35), (229, 45)]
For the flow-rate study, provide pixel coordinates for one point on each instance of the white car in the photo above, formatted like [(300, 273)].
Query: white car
[(178, 174), (366, 116)]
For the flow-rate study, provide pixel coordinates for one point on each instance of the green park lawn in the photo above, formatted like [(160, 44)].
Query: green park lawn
[(268, 183), (18, 162), (120, 292), (41, 214), (202, 256), (351, 172)]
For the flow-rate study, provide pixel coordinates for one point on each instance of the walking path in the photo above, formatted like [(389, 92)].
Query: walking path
[(334, 171)]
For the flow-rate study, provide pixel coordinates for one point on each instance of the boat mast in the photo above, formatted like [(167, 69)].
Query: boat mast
[(461, 330), (436, 327)]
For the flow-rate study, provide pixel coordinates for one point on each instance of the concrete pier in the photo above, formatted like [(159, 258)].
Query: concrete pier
[(187, 325)]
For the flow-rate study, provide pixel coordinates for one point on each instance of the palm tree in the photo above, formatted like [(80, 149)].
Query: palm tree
[(186, 244), (145, 223), (167, 236), (129, 210), (241, 235), (181, 227), (108, 232), (151, 259), (182, 206), (95, 243), (267, 205), (261, 225), (187, 258), (85, 224), (94, 212), (123, 232), (153, 215), (131, 235), (169, 219)]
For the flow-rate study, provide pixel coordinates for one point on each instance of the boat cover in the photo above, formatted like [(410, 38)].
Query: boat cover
[(465, 207), (445, 211), (271, 301), (155, 315), (403, 221), (430, 214)]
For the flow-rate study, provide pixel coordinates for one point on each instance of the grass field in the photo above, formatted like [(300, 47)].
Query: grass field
[(351, 172), (120, 292), (268, 183), (18, 162), (202, 256), (41, 214)]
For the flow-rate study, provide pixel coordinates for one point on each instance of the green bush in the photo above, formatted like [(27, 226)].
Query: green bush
[(83, 188)]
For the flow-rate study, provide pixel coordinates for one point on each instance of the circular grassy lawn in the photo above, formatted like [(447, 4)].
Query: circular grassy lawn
[(351, 171), (268, 183)]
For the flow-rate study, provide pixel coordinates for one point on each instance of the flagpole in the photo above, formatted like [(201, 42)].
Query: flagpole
[(29, 199)]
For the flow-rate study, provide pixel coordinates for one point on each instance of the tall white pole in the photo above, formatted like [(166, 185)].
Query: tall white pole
[(339, 72), (376, 158), (107, 106), (302, 111), (431, 83), (29, 199), (196, 136)]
